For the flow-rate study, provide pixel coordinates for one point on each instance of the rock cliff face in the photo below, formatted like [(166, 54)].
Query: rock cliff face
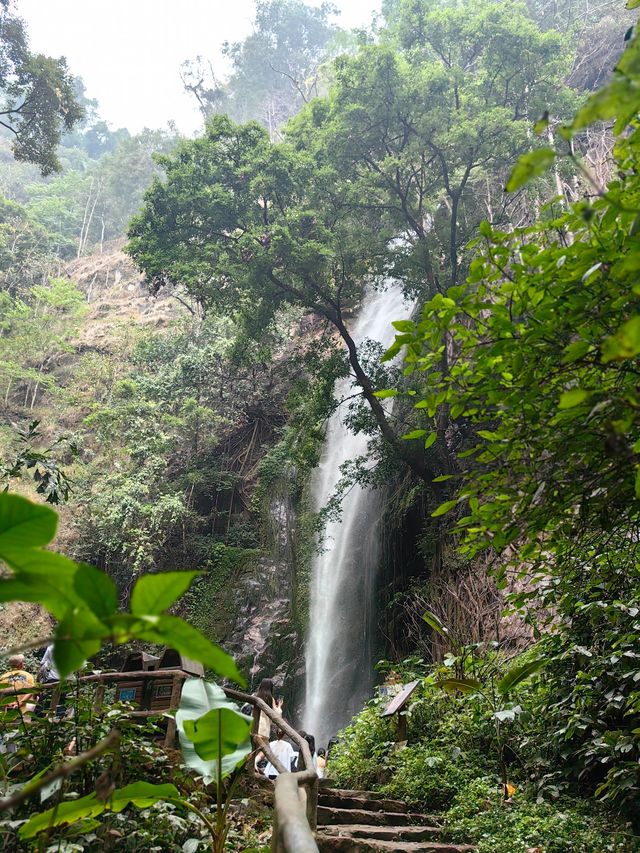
[(264, 636)]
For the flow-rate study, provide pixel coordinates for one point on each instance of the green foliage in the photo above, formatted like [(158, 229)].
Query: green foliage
[(429, 778), (37, 333), (360, 757), (529, 166), (545, 340), (42, 465), (399, 146), (447, 766), (557, 386), (84, 600), (139, 794), (25, 248), (215, 741)]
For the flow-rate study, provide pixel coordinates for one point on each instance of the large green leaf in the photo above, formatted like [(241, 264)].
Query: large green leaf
[(155, 593), (184, 638), (43, 577), (433, 622), (463, 685), (24, 524), (443, 509), (219, 732), (529, 166), (78, 636), (96, 590), (142, 795), (518, 674), (198, 698), (625, 343), (415, 433), (139, 794), (67, 812), (572, 398)]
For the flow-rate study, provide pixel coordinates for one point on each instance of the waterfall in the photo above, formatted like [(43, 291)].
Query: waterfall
[(339, 643)]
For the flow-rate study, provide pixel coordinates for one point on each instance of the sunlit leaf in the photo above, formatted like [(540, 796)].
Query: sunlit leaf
[(518, 674), (571, 399), (444, 508), (139, 794), (416, 433), (461, 685), (187, 640), (24, 524), (530, 166), (155, 593)]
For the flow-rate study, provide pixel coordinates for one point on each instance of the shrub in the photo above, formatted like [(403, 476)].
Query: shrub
[(360, 759), (479, 816), (428, 778)]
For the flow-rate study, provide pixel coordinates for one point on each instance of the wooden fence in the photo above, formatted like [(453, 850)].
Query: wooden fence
[(296, 794)]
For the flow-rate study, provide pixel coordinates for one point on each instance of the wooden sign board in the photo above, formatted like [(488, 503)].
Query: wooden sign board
[(398, 702)]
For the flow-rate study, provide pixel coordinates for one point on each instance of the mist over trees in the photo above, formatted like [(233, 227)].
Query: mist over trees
[(275, 70)]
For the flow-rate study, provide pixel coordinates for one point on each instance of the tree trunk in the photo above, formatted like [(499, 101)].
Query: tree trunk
[(403, 448)]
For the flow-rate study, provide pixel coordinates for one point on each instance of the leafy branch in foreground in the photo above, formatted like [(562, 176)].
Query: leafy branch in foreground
[(84, 600), (214, 735), (51, 480)]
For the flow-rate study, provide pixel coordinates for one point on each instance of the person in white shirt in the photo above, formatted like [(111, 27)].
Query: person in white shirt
[(48, 670), (283, 751)]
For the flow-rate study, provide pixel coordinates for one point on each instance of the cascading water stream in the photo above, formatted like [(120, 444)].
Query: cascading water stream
[(339, 644)]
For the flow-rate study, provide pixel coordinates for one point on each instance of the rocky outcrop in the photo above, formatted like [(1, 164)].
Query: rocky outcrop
[(262, 635)]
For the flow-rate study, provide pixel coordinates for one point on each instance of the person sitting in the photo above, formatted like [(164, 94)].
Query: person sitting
[(17, 677), (283, 751)]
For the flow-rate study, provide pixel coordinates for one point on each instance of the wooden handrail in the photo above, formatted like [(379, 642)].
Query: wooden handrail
[(101, 677), (295, 816)]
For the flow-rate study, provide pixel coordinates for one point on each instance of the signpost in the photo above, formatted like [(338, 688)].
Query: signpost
[(397, 705)]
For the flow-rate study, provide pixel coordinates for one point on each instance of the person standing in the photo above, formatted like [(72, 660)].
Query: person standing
[(312, 749), (48, 674), (321, 768), (265, 692), (48, 669), (283, 751)]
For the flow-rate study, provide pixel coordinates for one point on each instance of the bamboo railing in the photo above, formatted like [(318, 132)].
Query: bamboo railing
[(296, 794)]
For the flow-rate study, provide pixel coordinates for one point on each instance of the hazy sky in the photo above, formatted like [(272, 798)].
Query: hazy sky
[(129, 51)]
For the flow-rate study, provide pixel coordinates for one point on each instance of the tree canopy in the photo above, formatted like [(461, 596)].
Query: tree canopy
[(38, 93)]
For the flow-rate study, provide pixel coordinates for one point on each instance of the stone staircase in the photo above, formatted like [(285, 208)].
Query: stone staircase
[(367, 822)]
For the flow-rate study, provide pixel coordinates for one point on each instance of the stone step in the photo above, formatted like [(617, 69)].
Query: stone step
[(348, 792), (343, 844), (384, 833), (328, 815), (339, 800)]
